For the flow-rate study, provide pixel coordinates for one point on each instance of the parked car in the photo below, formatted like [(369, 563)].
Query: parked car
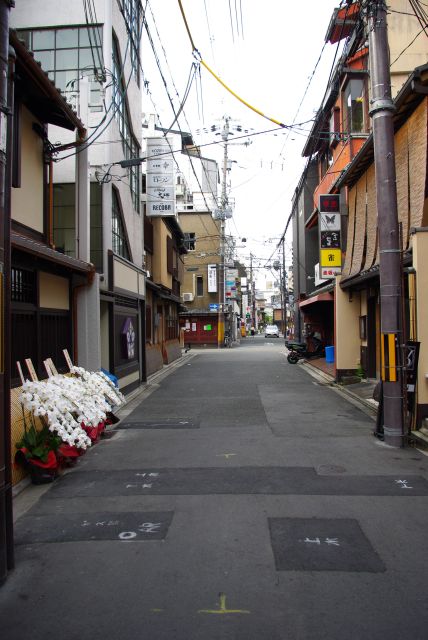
[(271, 331)]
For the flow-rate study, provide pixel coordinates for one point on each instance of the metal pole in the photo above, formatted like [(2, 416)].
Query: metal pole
[(284, 276), (381, 112)]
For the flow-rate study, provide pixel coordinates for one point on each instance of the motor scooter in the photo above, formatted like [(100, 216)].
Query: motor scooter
[(299, 350)]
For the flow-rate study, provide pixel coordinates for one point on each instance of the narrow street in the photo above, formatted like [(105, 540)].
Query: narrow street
[(239, 498)]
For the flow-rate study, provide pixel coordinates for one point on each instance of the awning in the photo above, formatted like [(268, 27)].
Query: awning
[(321, 297), (40, 250)]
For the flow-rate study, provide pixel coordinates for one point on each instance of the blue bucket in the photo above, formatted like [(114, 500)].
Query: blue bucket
[(329, 354)]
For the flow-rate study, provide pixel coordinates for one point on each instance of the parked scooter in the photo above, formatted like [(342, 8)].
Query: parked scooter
[(299, 350)]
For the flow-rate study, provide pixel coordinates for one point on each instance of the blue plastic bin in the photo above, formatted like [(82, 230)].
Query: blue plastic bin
[(329, 354)]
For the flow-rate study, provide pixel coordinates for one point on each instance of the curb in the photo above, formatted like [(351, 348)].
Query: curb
[(369, 406)]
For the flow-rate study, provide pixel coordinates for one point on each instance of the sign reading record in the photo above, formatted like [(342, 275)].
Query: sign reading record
[(160, 178)]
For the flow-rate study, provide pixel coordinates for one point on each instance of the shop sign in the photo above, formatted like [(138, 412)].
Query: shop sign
[(128, 339), (212, 278), (329, 203), (231, 290), (160, 178), (330, 245)]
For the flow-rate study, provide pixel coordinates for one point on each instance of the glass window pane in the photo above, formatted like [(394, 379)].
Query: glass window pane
[(44, 39), (46, 59), (95, 36), (67, 80), (86, 60), (67, 38), (66, 59), (26, 37)]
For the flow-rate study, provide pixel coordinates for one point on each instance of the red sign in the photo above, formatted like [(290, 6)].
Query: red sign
[(330, 203)]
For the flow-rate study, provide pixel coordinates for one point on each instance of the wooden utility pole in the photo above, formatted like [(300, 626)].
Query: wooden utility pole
[(391, 300)]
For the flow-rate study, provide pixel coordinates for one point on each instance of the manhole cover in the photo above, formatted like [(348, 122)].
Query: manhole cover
[(321, 544)]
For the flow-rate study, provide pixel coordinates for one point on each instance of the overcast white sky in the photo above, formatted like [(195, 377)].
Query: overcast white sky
[(266, 54)]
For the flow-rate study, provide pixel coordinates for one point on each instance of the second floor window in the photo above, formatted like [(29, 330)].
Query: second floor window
[(199, 285), (353, 107), (130, 145), (190, 241), (118, 235)]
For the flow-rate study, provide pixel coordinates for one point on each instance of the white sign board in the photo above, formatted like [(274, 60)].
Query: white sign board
[(212, 278), (160, 178)]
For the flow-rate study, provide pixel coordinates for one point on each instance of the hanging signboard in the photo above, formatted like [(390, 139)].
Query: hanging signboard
[(160, 178), (212, 278), (330, 238), (329, 203), (231, 290)]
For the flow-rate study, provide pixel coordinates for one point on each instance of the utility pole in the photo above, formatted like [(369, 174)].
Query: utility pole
[(391, 301), (253, 294), (222, 215), (284, 291), (6, 92)]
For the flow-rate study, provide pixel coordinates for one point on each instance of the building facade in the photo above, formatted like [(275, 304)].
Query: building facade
[(340, 130), (96, 64)]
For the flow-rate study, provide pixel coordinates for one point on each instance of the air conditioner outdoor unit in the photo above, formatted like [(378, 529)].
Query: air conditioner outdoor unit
[(188, 297)]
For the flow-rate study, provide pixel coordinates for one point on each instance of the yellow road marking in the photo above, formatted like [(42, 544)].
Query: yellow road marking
[(223, 610)]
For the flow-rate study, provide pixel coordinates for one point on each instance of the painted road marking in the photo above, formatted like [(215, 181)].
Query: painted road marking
[(223, 610), (226, 455)]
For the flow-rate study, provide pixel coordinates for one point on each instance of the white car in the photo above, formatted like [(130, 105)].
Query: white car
[(271, 331)]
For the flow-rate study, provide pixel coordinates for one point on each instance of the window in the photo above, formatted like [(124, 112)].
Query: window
[(65, 221), (132, 13), (335, 127), (130, 145), (199, 285), (190, 241), (353, 106), (119, 240), (169, 255), (69, 54), (23, 286)]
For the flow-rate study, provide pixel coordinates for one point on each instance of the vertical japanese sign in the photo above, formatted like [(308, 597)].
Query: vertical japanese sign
[(212, 278), (231, 288), (160, 178), (329, 236)]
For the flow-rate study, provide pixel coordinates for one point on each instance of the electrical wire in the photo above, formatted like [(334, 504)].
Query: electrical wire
[(96, 134), (198, 56), (214, 195), (175, 114)]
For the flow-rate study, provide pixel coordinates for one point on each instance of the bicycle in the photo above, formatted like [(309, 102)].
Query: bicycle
[(227, 340)]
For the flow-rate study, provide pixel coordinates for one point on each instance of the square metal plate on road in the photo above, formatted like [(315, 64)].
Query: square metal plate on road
[(77, 527), (321, 544)]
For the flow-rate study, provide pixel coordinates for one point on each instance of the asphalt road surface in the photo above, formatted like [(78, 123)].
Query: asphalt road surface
[(238, 499)]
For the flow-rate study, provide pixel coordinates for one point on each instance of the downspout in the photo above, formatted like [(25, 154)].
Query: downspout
[(50, 205)]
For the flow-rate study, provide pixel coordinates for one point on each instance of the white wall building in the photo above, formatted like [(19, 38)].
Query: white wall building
[(95, 61)]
